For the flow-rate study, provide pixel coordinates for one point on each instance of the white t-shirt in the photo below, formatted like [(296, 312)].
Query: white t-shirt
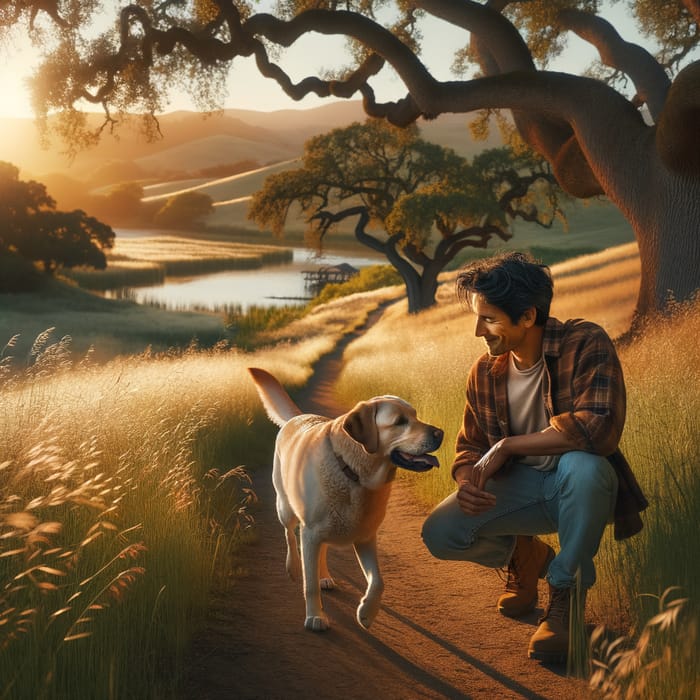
[(526, 408)]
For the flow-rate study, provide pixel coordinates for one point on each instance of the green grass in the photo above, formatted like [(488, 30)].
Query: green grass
[(102, 327)]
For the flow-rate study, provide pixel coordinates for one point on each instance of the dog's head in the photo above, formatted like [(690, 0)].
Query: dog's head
[(389, 426)]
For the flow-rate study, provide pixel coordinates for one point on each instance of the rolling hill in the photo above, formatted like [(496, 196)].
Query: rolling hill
[(192, 141), (194, 145)]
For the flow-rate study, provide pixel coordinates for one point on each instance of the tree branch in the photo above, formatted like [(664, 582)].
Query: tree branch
[(646, 73), (501, 49), (472, 237), (677, 133)]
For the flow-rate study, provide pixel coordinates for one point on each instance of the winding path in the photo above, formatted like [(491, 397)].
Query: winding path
[(438, 634)]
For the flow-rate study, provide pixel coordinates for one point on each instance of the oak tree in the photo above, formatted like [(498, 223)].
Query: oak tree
[(31, 227), (417, 203), (627, 130)]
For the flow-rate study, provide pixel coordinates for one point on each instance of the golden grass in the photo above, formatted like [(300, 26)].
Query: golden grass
[(168, 248), (122, 492), (123, 485)]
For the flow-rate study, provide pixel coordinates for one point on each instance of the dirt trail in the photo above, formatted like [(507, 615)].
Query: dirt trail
[(437, 635)]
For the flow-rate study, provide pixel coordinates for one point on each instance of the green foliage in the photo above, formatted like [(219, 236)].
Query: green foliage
[(403, 182), (369, 278), (17, 274), (122, 205), (31, 227), (184, 210), (246, 324)]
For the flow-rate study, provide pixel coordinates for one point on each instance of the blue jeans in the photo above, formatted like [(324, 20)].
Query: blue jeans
[(575, 500)]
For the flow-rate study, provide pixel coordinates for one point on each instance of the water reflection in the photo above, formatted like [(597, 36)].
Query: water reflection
[(274, 285)]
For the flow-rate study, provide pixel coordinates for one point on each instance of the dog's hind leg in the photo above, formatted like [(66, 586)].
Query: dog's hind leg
[(327, 582), (289, 523), (293, 562), (371, 601), (316, 619)]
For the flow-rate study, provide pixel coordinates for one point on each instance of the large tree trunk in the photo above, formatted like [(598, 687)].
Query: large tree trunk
[(420, 286), (664, 211)]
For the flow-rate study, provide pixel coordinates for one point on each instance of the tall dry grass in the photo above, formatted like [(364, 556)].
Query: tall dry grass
[(123, 486), (123, 495)]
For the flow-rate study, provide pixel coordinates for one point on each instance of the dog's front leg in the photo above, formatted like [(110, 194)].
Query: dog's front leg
[(316, 619), (327, 582), (369, 605)]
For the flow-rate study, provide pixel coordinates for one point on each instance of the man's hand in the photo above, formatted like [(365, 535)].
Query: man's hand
[(472, 500), (489, 464), (471, 496)]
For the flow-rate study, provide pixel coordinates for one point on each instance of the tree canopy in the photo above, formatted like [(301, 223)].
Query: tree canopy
[(31, 227), (427, 202), (183, 210), (626, 130)]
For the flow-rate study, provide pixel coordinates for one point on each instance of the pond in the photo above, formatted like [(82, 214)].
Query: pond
[(274, 285)]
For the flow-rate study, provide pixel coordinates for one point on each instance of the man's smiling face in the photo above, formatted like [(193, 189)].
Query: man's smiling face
[(495, 327)]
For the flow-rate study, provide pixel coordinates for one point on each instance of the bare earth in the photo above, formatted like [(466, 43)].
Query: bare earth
[(438, 634)]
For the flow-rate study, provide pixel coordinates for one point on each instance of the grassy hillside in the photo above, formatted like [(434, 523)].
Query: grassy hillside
[(104, 328), (191, 140)]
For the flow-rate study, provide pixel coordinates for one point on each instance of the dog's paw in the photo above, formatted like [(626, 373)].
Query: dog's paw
[(317, 623), (327, 584)]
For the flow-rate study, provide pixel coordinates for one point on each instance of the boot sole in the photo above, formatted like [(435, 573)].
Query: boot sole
[(518, 613), (548, 657)]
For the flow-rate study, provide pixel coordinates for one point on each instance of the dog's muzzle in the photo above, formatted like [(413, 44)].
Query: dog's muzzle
[(418, 463)]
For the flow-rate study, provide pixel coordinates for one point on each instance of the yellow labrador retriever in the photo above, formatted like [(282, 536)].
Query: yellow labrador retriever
[(333, 478)]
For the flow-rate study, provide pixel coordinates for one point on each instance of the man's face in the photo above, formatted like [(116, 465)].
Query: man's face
[(496, 328)]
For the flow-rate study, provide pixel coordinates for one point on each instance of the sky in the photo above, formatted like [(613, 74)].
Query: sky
[(249, 90)]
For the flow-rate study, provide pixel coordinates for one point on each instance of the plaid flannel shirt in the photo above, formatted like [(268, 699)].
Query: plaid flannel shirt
[(584, 395)]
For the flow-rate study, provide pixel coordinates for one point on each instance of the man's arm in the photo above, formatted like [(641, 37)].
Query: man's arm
[(546, 442)]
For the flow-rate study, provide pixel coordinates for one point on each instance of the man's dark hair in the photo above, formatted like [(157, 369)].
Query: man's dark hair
[(512, 281)]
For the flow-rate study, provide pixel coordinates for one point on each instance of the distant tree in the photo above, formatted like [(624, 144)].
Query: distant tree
[(413, 192), (184, 210), (31, 227), (122, 205)]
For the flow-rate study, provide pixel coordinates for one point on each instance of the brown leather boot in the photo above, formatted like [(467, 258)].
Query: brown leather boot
[(550, 643), (529, 562)]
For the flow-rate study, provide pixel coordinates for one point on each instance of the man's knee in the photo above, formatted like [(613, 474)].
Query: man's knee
[(434, 535), (584, 470)]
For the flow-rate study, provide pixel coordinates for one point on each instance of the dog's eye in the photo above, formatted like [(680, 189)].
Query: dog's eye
[(401, 420)]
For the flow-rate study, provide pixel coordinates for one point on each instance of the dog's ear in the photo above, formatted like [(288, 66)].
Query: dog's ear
[(361, 426)]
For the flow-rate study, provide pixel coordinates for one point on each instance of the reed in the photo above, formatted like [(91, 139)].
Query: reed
[(118, 274), (146, 261)]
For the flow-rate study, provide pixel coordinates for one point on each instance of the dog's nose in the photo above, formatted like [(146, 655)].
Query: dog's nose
[(438, 435)]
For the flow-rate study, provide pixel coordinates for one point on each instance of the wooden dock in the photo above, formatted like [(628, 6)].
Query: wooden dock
[(316, 280)]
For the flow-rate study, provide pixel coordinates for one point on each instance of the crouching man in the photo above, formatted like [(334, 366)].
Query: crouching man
[(537, 452)]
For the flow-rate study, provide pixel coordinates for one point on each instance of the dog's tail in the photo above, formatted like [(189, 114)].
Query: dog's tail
[(277, 402)]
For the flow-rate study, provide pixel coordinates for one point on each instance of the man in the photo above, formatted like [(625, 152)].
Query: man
[(537, 451)]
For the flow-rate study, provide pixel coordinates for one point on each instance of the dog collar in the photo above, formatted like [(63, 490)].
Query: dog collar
[(347, 470)]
